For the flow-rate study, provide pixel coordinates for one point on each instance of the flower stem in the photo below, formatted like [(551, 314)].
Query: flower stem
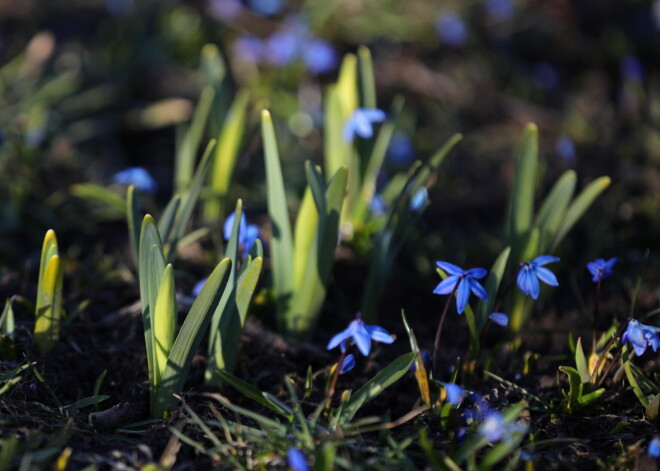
[(438, 333), (595, 320), (335, 378)]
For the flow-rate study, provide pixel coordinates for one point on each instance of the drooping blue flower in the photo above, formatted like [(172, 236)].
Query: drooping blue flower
[(494, 428), (418, 200), (348, 364), (247, 233), (531, 272), (463, 281), (499, 318), (198, 287), (601, 268), (641, 336), (361, 334), (654, 447), (296, 459), (319, 56), (138, 177), (361, 123), (451, 29), (400, 150), (454, 392)]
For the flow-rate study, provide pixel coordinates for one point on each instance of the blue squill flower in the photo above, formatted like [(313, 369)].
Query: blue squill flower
[(451, 29), (296, 459), (531, 272), (654, 447), (419, 199), (138, 177), (601, 268), (641, 336), (361, 334), (632, 69), (348, 364), (400, 150), (198, 287), (494, 428), (565, 149), (249, 49), (282, 48), (463, 281), (499, 318), (266, 7), (361, 123), (377, 205), (454, 392), (319, 56), (247, 233)]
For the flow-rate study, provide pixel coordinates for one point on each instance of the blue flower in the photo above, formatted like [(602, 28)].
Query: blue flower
[(454, 392), (296, 459), (499, 10), (451, 29), (282, 48), (361, 123), (247, 233), (565, 148), (600, 268), (418, 200), (266, 7), (319, 56), (641, 336), (426, 359), (463, 281), (138, 177), (632, 69), (499, 318), (348, 364), (531, 272), (494, 427), (377, 205), (361, 334), (400, 150), (654, 447), (249, 49)]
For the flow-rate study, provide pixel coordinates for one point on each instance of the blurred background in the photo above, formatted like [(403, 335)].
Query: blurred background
[(89, 88)]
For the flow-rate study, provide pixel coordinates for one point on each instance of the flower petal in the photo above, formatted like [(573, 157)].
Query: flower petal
[(546, 276), (454, 392), (462, 295), (499, 318), (477, 273), (523, 280), (379, 334), (478, 290), (544, 260), (374, 114), (449, 268), (348, 364), (339, 338), (447, 285), (362, 338)]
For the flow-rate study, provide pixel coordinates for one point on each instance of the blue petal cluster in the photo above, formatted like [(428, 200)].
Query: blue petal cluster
[(361, 123), (531, 272), (463, 281), (494, 428), (654, 447), (499, 318), (348, 364), (600, 268), (361, 334), (451, 29), (641, 336), (138, 177), (454, 392), (296, 459), (247, 233)]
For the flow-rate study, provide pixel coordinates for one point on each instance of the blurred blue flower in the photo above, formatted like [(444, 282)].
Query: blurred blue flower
[(641, 336), (361, 334), (198, 287), (361, 123), (400, 150), (454, 392), (632, 69), (565, 148), (451, 29), (348, 364), (494, 428), (419, 199), (499, 318), (499, 10), (296, 459), (225, 9), (531, 272), (266, 7), (249, 49), (138, 177), (247, 233), (546, 76), (377, 205), (654, 447), (282, 47), (463, 281), (600, 268), (319, 56)]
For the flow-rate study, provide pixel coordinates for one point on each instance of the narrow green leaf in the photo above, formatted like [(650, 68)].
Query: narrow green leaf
[(85, 402), (281, 241), (168, 217), (420, 369), (226, 156), (581, 362), (49, 306), (255, 394), (366, 78), (133, 220), (553, 209), (385, 378), (115, 204), (48, 249), (574, 382), (307, 223), (587, 399), (190, 336), (521, 204), (492, 286), (165, 322), (12, 373), (336, 150), (578, 207)]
